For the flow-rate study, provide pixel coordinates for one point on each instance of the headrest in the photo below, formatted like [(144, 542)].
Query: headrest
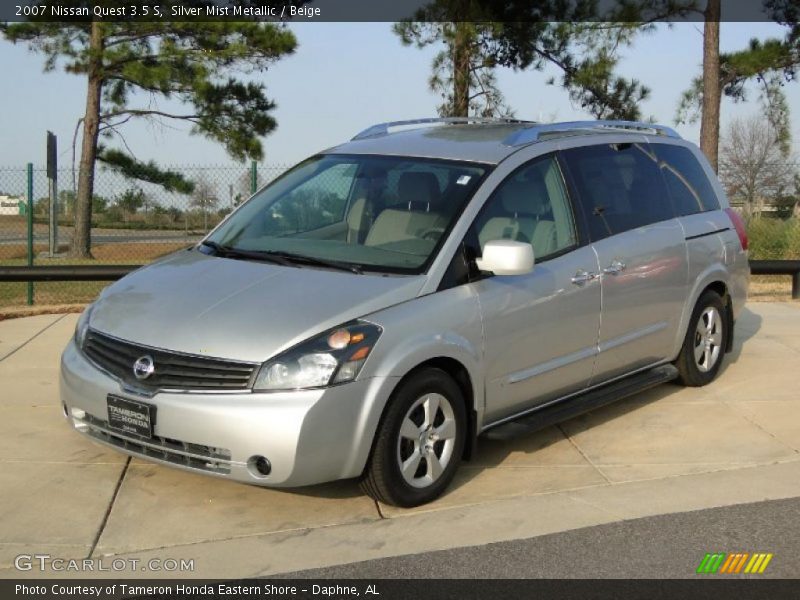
[(418, 188), (528, 197)]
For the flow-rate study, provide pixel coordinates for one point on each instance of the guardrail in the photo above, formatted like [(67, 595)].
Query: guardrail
[(779, 267), (114, 272), (66, 273)]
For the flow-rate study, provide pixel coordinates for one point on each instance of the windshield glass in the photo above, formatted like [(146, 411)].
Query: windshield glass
[(371, 212)]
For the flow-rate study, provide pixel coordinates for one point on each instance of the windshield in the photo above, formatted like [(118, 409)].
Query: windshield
[(368, 212)]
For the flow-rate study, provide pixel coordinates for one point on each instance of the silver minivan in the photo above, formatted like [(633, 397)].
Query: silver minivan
[(375, 309)]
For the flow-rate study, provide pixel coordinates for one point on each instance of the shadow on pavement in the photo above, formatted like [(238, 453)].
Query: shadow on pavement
[(523, 435)]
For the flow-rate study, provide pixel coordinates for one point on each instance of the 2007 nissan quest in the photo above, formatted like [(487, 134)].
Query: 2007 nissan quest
[(372, 311)]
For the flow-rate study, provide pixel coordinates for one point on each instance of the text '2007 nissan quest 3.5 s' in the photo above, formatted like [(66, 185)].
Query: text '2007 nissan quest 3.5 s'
[(375, 309)]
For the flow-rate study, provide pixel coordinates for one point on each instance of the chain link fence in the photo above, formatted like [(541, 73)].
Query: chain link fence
[(133, 222)]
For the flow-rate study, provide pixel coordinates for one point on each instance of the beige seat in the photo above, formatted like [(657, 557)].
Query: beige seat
[(525, 203), (356, 220), (413, 216), (357, 211)]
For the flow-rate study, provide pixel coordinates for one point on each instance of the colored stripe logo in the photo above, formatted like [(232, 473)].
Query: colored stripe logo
[(734, 563)]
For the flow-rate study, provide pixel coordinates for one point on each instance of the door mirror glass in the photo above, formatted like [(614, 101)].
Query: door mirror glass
[(506, 257)]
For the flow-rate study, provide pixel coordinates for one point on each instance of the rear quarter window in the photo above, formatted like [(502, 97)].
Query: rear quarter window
[(689, 188)]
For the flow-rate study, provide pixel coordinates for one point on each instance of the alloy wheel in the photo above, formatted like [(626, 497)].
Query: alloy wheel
[(708, 339), (426, 440)]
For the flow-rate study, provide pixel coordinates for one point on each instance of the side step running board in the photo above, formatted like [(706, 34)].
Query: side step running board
[(539, 418)]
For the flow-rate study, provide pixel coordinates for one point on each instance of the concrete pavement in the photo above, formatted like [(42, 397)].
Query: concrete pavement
[(665, 451)]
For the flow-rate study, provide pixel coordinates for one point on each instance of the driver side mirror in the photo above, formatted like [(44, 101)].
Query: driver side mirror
[(506, 257)]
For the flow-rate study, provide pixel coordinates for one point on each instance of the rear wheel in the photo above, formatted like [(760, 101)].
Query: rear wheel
[(706, 339), (419, 442)]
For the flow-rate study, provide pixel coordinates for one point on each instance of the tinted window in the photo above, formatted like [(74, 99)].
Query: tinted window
[(687, 183), (530, 206), (620, 187)]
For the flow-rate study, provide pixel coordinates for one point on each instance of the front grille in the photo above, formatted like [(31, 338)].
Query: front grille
[(194, 456), (172, 370)]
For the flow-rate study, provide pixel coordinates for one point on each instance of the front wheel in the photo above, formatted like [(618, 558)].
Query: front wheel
[(419, 442), (706, 339)]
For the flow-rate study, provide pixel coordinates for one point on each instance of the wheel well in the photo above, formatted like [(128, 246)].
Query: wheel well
[(720, 288), (461, 376)]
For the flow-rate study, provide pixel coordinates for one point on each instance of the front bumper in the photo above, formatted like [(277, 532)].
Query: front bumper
[(309, 436)]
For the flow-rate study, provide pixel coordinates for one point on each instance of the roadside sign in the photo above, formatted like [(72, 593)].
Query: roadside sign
[(52, 155)]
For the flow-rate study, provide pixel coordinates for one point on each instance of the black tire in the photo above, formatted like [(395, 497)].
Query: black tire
[(383, 479), (691, 372)]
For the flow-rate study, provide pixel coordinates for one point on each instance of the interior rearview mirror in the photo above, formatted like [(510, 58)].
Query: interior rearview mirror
[(506, 257)]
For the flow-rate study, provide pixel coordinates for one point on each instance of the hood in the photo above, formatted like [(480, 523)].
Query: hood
[(237, 309)]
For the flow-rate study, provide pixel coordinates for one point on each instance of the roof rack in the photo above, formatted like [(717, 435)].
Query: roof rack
[(383, 128), (540, 131)]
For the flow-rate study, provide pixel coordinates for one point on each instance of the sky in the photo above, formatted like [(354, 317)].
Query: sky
[(345, 77)]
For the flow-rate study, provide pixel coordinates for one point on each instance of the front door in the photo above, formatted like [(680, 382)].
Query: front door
[(540, 329)]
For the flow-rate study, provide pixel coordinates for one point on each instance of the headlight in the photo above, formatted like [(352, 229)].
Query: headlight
[(335, 356), (82, 326)]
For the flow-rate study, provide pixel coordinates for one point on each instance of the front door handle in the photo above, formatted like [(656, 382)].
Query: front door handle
[(582, 277), (615, 268)]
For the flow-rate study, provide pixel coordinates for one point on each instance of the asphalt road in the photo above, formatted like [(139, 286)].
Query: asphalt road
[(666, 546)]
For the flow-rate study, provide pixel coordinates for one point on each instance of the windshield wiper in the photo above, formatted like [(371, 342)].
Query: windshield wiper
[(229, 252), (320, 262), (218, 248), (286, 259)]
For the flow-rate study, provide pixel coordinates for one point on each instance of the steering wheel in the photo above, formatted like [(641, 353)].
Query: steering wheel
[(433, 234)]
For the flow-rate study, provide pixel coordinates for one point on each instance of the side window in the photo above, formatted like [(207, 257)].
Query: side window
[(530, 206), (315, 203), (686, 180), (619, 186)]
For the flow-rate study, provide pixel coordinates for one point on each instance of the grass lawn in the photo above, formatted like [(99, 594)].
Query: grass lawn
[(51, 292), (770, 288), (126, 253)]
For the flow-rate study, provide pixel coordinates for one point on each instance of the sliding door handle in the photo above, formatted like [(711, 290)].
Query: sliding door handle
[(582, 277), (615, 268)]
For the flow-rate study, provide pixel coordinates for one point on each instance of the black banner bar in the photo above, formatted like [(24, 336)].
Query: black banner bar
[(394, 589), (524, 11)]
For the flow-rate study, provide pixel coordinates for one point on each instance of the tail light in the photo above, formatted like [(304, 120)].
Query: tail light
[(738, 224)]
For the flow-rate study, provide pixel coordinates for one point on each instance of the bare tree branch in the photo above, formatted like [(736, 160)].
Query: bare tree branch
[(135, 112), (752, 166)]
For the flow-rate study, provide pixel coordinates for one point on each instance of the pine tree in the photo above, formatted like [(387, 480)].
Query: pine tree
[(574, 38), (770, 63), (193, 63)]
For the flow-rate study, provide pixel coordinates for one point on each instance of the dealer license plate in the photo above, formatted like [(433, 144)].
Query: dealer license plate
[(130, 416)]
